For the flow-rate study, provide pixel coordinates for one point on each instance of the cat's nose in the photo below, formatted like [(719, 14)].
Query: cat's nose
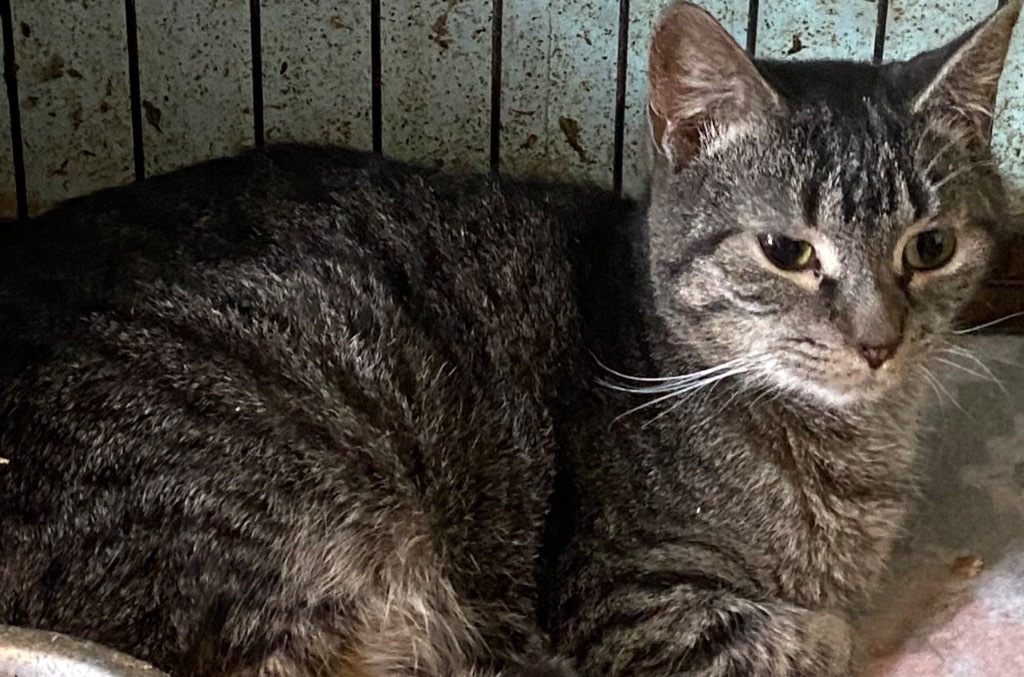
[(877, 355)]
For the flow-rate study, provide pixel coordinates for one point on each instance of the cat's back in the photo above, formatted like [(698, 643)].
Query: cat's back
[(454, 250), (214, 351)]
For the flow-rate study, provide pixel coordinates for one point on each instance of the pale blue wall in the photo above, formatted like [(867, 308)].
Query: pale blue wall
[(558, 71)]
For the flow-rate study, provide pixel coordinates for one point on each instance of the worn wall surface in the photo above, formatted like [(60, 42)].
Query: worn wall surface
[(563, 92)]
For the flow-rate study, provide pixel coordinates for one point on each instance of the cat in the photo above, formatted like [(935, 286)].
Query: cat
[(813, 231), (306, 411)]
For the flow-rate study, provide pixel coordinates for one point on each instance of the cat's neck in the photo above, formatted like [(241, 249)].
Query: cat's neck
[(833, 439)]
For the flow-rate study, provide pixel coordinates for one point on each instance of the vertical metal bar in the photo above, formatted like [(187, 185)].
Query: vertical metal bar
[(497, 20), (11, 80), (135, 90), (256, 42), (375, 66), (753, 12), (883, 20), (621, 68)]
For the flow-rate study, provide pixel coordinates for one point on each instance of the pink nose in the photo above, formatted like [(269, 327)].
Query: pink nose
[(876, 356)]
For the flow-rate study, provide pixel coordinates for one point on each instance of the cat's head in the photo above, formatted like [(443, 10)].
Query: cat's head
[(820, 225)]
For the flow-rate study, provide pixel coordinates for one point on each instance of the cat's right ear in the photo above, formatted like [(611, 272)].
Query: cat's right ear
[(698, 76)]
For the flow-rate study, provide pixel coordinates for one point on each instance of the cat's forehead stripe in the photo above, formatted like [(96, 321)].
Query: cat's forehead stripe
[(869, 158)]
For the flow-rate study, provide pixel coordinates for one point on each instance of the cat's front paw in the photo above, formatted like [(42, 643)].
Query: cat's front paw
[(723, 636)]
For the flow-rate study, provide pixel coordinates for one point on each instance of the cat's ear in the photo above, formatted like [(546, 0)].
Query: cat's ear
[(957, 84), (698, 76)]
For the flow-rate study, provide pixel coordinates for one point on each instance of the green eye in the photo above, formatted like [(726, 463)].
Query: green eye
[(929, 249), (788, 254)]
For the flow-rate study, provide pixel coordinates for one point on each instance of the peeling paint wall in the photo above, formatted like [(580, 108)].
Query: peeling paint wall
[(818, 29), (73, 96), (316, 72), (436, 81), (558, 65), (195, 67), (558, 88)]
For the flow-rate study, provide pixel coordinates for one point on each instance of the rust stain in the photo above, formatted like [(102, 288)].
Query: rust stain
[(109, 92), (530, 142), (52, 70), (337, 132), (439, 32), (30, 102), (59, 171), (153, 115), (337, 21), (796, 46), (967, 566), (76, 118), (571, 129)]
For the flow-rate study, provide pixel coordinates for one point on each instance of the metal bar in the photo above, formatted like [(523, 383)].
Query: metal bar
[(256, 41), (752, 17), (883, 20), (375, 69), (11, 80), (497, 17), (621, 65), (135, 90)]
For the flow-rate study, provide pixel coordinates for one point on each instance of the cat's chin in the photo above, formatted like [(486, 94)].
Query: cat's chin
[(853, 390)]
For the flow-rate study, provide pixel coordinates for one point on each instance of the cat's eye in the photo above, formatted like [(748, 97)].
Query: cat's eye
[(788, 254), (929, 249)]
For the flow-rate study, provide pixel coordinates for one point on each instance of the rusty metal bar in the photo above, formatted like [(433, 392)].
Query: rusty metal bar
[(621, 65), (135, 90), (11, 80)]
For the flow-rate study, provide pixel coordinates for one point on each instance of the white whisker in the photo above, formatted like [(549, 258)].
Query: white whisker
[(991, 323), (930, 380), (963, 170), (688, 387), (963, 352), (938, 384), (942, 151), (966, 370), (667, 383)]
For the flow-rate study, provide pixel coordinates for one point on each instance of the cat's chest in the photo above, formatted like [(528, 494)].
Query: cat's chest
[(844, 500)]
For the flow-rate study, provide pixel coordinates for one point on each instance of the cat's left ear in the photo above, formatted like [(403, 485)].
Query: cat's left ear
[(957, 83)]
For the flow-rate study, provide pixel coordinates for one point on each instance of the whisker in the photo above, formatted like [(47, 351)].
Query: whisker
[(679, 377), (930, 380), (986, 325), (682, 398), (963, 170), (938, 384), (984, 377), (942, 151), (963, 352), (687, 388)]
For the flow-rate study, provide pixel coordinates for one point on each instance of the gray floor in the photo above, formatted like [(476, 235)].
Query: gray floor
[(954, 604)]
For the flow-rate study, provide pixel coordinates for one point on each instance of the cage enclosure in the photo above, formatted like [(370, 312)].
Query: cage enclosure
[(100, 93), (103, 92)]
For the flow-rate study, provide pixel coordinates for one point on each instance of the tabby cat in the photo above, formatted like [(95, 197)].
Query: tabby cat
[(309, 412)]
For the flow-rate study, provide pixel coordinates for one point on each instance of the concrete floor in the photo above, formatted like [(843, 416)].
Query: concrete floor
[(954, 602)]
